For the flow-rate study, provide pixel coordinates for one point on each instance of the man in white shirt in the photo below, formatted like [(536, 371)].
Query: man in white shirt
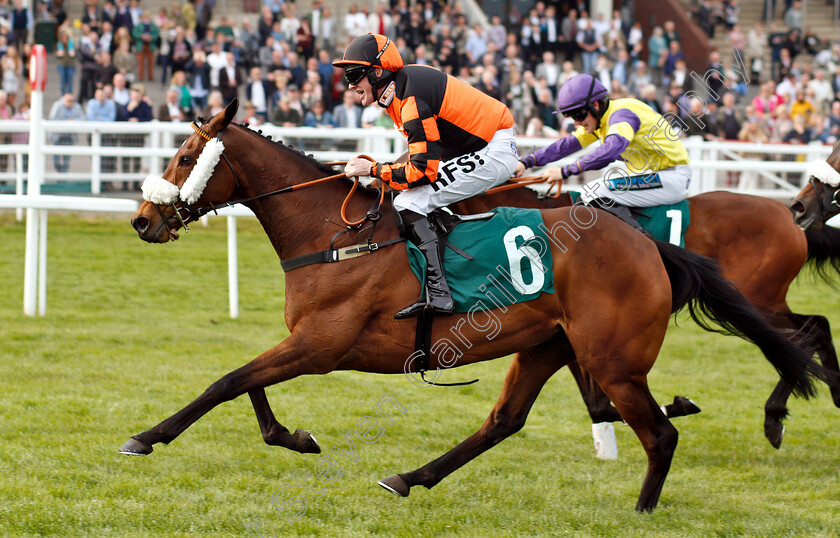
[(217, 60), (355, 22)]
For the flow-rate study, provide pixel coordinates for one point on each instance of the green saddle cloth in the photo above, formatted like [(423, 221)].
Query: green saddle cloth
[(511, 260), (656, 219)]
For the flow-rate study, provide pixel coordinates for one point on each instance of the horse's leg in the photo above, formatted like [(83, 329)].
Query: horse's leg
[(657, 435), (285, 361), (276, 434), (525, 378), (599, 406), (826, 353), (818, 332), (601, 409)]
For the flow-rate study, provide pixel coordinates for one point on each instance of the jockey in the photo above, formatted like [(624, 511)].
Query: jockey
[(629, 130), (461, 142)]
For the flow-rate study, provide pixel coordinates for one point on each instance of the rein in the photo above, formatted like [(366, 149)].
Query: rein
[(515, 183)]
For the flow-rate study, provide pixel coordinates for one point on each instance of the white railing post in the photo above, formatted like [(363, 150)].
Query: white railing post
[(233, 273), (19, 183), (34, 178), (154, 141), (96, 163), (42, 263)]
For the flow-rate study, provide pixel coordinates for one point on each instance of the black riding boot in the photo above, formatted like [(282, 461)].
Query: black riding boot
[(438, 297), (620, 211)]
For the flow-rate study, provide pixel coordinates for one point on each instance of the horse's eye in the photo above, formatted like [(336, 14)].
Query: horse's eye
[(186, 160)]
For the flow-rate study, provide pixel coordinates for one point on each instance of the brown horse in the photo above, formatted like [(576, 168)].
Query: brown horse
[(340, 315), (759, 250)]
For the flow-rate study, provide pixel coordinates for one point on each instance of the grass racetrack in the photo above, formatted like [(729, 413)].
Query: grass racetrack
[(134, 332)]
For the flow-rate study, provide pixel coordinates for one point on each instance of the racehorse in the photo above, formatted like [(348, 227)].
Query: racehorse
[(759, 250), (614, 293)]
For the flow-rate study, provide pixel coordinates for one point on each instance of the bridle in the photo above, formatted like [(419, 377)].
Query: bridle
[(192, 213), (825, 196)]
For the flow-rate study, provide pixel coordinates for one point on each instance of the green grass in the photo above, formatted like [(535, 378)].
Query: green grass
[(134, 332)]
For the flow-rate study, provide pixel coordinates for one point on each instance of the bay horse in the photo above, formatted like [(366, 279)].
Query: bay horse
[(614, 293), (759, 250)]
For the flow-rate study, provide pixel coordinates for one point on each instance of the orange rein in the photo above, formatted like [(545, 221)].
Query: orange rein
[(513, 183)]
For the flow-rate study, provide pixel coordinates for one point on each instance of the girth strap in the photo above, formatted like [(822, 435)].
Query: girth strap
[(332, 255)]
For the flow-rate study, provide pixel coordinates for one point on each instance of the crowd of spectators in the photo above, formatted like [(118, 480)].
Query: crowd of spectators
[(280, 65)]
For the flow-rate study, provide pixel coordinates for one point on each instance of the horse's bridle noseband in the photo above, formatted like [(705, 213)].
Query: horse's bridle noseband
[(825, 196)]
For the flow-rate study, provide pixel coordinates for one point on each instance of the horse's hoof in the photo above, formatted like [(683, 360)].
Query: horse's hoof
[(686, 405), (133, 447), (395, 485), (306, 442), (774, 433)]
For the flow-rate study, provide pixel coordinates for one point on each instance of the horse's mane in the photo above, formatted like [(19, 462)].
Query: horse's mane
[(326, 169)]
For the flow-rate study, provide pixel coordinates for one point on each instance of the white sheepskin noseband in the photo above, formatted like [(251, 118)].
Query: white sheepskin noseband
[(159, 191), (824, 172)]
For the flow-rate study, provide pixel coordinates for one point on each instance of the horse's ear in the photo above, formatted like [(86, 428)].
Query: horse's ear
[(230, 111)]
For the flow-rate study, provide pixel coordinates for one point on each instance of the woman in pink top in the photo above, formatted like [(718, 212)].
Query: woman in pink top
[(766, 101)]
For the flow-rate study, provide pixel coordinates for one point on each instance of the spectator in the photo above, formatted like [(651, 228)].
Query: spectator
[(348, 114), (638, 79), (101, 108), (230, 79), (106, 70), (569, 29), (731, 12), (20, 138), (265, 23), (145, 34), (215, 104), (793, 16), (729, 119), (518, 98), (648, 96), (698, 122), (547, 69), (811, 42), (670, 33), (756, 39), (286, 116), (355, 22), (822, 90), (138, 108), (258, 93), (801, 106), (497, 32), (249, 115), (669, 61), (198, 82), (21, 22), (185, 101), (92, 17), (88, 52), (590, 45), (217, 60), (122, 94), (766, 101), (180, 51), (656, 48), (305, 40), (318, 116), (737, 40), (171, 110), (831, 133), (7, 112), (801, 132), (66, 56), (12, 70), (65, 109)]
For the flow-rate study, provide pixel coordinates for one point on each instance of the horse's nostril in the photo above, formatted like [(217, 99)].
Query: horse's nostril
[(141, 224), (797, 207)]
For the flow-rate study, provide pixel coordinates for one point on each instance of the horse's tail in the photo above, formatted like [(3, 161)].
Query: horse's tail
[(824, 252), (696, 281)]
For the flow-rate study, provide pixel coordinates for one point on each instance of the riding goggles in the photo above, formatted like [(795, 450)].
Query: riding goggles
[(354, 75), (578, 114)]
